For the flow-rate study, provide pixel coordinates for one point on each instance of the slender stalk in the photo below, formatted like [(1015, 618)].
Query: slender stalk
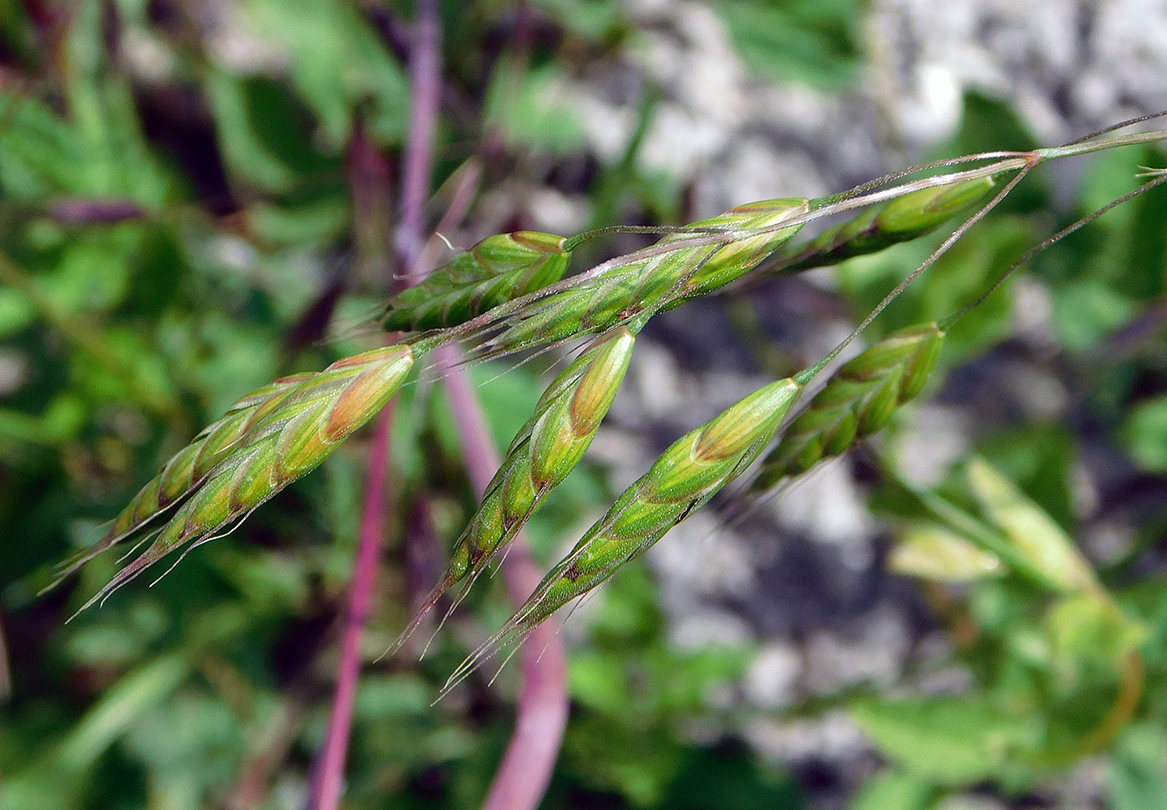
[(807, 375), (330, 773), (425, 84), (527, 765), (424, 87), (5, 671)]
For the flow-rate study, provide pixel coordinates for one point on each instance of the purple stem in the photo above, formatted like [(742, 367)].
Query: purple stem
[(80, 211), (424, 91), (5, 671), (425, 81), (523, 776), (330, 773)]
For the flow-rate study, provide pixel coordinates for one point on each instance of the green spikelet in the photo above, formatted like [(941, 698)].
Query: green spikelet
[(548, 447), (685, 476), (735, 259), (859, 400), (495, 270), (295, 434), (881, 226), (541, 456), (188, 469), (643, 287)]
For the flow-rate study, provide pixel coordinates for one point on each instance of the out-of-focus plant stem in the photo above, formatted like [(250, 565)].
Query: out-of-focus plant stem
[(530, 757), (424, 89), (425, 84), (330, 773), (5, 672), (529, 761)]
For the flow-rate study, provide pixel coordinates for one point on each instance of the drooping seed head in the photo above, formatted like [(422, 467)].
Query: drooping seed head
[(188, 469), (291, 439), (685, 476), (495, 270), (919, 212), (563, 432), (544, 451), (858, 401), (744, 253)]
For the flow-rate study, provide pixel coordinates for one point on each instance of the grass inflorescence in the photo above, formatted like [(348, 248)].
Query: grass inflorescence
[(507, 294)]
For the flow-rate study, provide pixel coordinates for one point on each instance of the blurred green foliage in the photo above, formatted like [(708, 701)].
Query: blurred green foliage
[(183, 198)]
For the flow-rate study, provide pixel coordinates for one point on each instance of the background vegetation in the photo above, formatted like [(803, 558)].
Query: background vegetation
[(196, 198)]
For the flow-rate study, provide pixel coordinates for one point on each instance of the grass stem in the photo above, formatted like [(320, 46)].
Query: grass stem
[(424, 92)]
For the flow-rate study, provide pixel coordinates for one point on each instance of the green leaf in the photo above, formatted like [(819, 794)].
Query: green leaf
[(720, 779), (336, 62), (1040, 459), (892, 790), (947, 740), (596, 19), (609, 755), (191, 742), (1087, 311), (810, 41), (121, 706), (932, 552), (391, 696), (1033, 534), (310, 222), (264, 132), (41, 153), (530, 108), (1145, 434), (1083, 627), (1138, 773), (16, 311)]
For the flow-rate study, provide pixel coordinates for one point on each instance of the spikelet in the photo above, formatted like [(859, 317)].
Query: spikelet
[(899, 220), (685, 476), (293, 437), (642, 287), (541, 456), (729, 263), (495, 270), (859, 400), (188, 469)]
